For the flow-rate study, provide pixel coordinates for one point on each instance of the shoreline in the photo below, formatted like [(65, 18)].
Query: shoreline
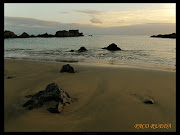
[(109, 63)]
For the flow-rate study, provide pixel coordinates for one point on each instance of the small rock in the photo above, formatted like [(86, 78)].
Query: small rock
[(10, 77), (67, 68), (82, 49), (71, 51), (148, 101)]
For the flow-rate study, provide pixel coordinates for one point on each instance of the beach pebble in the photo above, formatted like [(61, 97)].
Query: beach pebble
[(67, 68), (148, 101), (10, 77)]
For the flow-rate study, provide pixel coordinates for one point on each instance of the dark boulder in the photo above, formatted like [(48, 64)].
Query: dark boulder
[(9, 34), (52, 92), (24, 35), (67, 68), (82, 49), (112, 47)]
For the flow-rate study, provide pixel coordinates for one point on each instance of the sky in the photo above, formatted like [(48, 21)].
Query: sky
[(89, 16)]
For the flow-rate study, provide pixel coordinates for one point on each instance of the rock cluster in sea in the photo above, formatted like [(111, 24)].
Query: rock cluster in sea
[(52, 92), (81, 49), (173, 35), (9, 34), (63, 33)]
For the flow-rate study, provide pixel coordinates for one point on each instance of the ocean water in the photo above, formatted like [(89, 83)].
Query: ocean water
[(143, 49)]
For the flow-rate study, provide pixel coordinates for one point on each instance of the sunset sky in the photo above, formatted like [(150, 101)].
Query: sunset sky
[(95, 14)]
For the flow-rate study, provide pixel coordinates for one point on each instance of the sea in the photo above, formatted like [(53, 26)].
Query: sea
[(136, 49)]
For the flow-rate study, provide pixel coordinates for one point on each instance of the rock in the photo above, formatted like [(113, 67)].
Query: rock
[(148, 101), (52, 92), (70, 33), (173, 35), (67, 68), (71, 51), (24, 35), (53, 110), (45, 35), (112, 47), (82, 49), (10, 77), (9, 34), (32, 36), (58, 109)]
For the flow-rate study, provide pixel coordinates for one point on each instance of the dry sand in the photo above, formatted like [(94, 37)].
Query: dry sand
[(108, 98)]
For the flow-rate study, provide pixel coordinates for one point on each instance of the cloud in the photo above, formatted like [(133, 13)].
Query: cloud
[(29, 22), (95, 20), (35, 27), (64, 12), (89, 11), (121, 21)]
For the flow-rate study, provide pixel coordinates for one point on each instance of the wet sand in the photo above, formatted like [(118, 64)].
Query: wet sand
[(108, 98)]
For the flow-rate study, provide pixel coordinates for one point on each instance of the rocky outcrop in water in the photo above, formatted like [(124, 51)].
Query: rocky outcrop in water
[(9, 34), (67, 68), (52, 92), (112, 47), (82, 49), (24, 35), (173, 35), (63, 33), (45, 35), (70, 33)]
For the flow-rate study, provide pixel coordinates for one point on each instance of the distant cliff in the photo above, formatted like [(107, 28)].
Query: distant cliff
[(173, 35), (63, 33)]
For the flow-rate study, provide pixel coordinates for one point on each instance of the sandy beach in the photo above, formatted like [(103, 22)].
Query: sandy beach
[(109, 99)]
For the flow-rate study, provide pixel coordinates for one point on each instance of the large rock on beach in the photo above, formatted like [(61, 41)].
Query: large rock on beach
[(9, 34), (52, 92), (67, 68), (82, 49), (112, 47)]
